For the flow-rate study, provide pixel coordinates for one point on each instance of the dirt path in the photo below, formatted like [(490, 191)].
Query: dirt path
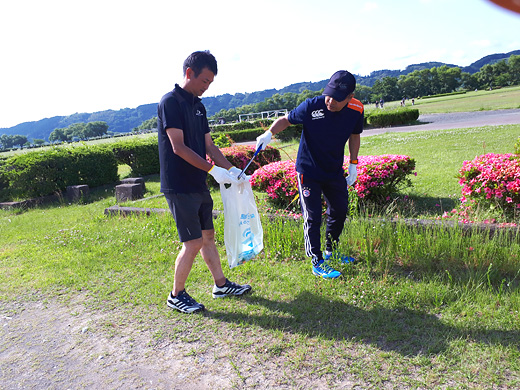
[(56, 344), (59, 345)]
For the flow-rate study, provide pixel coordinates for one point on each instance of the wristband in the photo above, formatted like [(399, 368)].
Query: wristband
[(213, 166), (354, 161)]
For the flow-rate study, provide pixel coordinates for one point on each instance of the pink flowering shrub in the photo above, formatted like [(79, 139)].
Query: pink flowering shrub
[(239, 156), (378, 177), (279, 181), (492, 181)]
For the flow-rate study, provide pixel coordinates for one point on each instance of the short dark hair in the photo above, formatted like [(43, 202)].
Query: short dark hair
[(199, 60)]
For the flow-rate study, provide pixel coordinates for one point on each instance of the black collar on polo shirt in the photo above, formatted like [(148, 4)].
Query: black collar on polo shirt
[(190, 98)]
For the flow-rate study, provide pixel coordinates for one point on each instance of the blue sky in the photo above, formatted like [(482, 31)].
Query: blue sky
[(59, 57)]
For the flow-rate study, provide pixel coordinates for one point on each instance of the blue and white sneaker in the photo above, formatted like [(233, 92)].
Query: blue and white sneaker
[(184, 303), (230, 288), (337, 256), (324, 270)]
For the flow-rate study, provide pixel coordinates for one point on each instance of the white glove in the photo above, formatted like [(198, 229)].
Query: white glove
[(222, 176), (352, 174), (234, 171), (264, 139)]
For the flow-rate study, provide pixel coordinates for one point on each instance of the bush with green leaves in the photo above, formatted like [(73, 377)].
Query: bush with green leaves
[(141, 154), (398, 116), (222, 140), (259, 123), (290, 133), (41, 173), (245, 135)]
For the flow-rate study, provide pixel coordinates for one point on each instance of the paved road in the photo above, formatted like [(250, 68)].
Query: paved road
[(455, 120)]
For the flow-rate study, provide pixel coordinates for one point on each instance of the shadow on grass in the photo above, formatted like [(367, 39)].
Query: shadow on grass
[(407, 332)]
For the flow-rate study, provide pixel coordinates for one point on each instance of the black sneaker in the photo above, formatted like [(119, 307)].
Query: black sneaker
[(184, 303), (230, 288)]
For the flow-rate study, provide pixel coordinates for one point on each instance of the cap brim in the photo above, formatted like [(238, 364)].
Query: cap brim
[(336, 95)]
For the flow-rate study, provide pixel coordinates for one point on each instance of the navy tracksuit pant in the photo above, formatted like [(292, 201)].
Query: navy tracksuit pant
[(335, 193)]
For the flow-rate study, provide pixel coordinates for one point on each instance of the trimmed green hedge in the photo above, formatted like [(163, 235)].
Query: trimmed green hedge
[(399, 116), (245, 135), (41, 173), (292, 132), (141, 154), (230, 127)]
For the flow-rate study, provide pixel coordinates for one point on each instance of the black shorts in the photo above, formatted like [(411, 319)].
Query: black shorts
[(192, 212)]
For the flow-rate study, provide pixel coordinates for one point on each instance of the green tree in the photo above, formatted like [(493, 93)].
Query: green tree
[(468, 81), (147, 125), (501, 75), (387, 88), (10, 141), (363, 93), (409, 85), (485, 76), (95, 129), (58, 135), (514, 69), (449, 79)]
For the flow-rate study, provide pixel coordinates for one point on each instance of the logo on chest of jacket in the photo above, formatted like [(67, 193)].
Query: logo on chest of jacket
[(306, 192), (318, 114), (199, 113)]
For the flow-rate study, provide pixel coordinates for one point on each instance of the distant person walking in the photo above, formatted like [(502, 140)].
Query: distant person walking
[(184, 141), (329, 121)]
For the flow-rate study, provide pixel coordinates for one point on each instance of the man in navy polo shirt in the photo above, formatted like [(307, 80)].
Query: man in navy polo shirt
[(329, 121), (184, 140)]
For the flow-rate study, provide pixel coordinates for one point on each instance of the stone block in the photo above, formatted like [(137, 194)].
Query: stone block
[(134, 180), (75, 193), (126, 192)]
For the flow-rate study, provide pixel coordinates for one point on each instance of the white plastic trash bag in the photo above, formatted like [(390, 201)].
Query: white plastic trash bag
[(243, 234)]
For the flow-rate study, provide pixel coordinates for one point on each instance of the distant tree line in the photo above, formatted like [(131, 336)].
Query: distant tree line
[(148, 124), (11, 141), (419, 83), (441, 80), (79, 131)]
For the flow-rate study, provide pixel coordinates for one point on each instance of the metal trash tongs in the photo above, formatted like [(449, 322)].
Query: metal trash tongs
[(250, 161)]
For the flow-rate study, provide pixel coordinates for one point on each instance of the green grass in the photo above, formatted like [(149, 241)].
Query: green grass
[(497, 99), (422, 307), (439, 155), (418, 309)]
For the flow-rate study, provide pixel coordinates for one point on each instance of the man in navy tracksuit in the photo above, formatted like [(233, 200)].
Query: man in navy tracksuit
[(329, 121)]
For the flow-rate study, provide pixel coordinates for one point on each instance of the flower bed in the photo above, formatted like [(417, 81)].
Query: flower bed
[(239, 156), (279, 181), (492, 181), (378, 177)]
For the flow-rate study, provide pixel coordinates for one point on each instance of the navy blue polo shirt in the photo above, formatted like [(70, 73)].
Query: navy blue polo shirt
[(324, 136), (181, 110)]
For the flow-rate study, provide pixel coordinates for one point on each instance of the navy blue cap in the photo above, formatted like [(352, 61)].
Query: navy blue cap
[(340, 85)]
